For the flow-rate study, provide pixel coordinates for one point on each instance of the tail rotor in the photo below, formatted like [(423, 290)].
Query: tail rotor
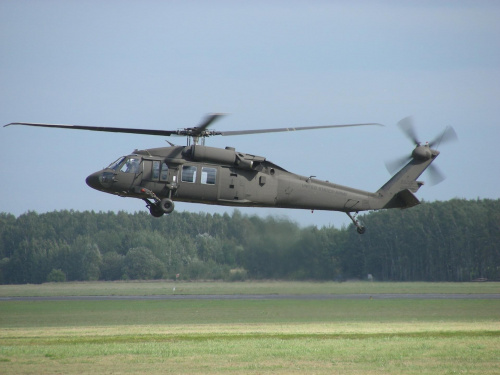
[(422, 151)]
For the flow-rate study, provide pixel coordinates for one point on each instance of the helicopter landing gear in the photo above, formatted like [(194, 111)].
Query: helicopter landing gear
[(158, 209), (160, 206), (360, 228)]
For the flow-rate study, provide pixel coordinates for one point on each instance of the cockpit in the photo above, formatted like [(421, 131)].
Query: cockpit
[(133, 174), (131, 165), (126, 164)]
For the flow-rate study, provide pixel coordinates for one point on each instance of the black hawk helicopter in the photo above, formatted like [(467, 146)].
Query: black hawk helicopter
[(201, 174)]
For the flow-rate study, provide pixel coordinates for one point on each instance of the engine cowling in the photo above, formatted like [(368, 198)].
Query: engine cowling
[(213, 155), (227, 156)]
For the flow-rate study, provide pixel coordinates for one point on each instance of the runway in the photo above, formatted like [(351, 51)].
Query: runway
[(175, 297)]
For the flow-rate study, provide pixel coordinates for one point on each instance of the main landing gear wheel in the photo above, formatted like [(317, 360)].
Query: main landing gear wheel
[(360, 228), (167, 205)]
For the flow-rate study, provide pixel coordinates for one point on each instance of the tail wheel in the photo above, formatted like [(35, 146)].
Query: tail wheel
[(167, 205), (360, 228)]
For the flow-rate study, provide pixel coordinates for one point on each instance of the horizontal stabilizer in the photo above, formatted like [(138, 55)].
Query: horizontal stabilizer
[(403, 199)]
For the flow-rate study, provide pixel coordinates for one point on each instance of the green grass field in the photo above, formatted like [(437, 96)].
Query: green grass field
[(367, 336), (250, 287)]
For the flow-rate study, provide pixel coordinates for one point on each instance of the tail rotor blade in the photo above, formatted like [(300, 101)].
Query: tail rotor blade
[(448, 135), (396, 164), (435, 175), (406, 125)]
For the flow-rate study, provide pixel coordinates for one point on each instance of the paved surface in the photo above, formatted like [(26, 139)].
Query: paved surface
[(254, 297)]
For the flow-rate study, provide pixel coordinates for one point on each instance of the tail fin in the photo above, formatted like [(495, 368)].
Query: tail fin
[(398, 191)]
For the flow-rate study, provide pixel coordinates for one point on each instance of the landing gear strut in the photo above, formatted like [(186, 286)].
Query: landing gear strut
[(160, 206), (360, 228)]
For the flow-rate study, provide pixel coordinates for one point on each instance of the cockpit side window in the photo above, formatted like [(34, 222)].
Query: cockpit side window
[(131, 165)]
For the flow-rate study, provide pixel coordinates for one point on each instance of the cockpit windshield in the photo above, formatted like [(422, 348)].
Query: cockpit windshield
[(114, 165), (131, 165), (126, 164)]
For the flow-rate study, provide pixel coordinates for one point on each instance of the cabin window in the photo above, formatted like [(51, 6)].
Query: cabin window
[(131, 165), (208, 175), (188, 173), (164, 172), (156, 169)]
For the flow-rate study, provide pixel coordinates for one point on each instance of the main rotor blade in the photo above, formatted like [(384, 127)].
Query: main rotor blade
[(277, 130), (448, 135), (406, 125), (194, 132), (101, 129)]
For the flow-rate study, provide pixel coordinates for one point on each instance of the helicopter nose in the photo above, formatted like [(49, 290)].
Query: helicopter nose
[(93, 181)]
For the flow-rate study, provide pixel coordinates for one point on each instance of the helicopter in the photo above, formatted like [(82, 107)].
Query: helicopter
[(201, 174)]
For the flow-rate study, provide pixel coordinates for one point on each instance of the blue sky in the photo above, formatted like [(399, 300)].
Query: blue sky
[(165, 64)]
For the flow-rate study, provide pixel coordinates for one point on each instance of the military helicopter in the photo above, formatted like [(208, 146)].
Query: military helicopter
[(202, 174)]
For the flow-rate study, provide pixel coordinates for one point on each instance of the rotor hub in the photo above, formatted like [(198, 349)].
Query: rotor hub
[(423, 152)]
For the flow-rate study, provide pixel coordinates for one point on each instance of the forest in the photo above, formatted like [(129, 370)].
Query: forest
[(455, 240)]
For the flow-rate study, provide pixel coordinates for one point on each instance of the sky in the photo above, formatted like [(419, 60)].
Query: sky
[(166, 64)]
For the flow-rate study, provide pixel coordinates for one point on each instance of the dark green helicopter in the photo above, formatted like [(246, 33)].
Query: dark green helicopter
[(201, 174)]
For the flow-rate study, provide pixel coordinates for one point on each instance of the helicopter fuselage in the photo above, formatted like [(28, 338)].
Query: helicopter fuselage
[(209, 175)]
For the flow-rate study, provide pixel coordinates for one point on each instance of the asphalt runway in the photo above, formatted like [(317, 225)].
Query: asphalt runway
[(255, 297)]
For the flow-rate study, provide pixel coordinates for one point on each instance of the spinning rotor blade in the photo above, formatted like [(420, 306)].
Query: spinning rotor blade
[(200, 131), (435, 175), (100, 129), (406, 125), (396, 164), (277, 130), (211, 118), (448, 135)]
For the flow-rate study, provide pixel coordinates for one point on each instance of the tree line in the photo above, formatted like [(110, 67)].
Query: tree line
[(456, 240)]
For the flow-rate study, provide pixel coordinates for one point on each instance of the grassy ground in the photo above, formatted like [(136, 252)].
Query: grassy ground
[(249, 287), (293, 350), (397, 336)]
